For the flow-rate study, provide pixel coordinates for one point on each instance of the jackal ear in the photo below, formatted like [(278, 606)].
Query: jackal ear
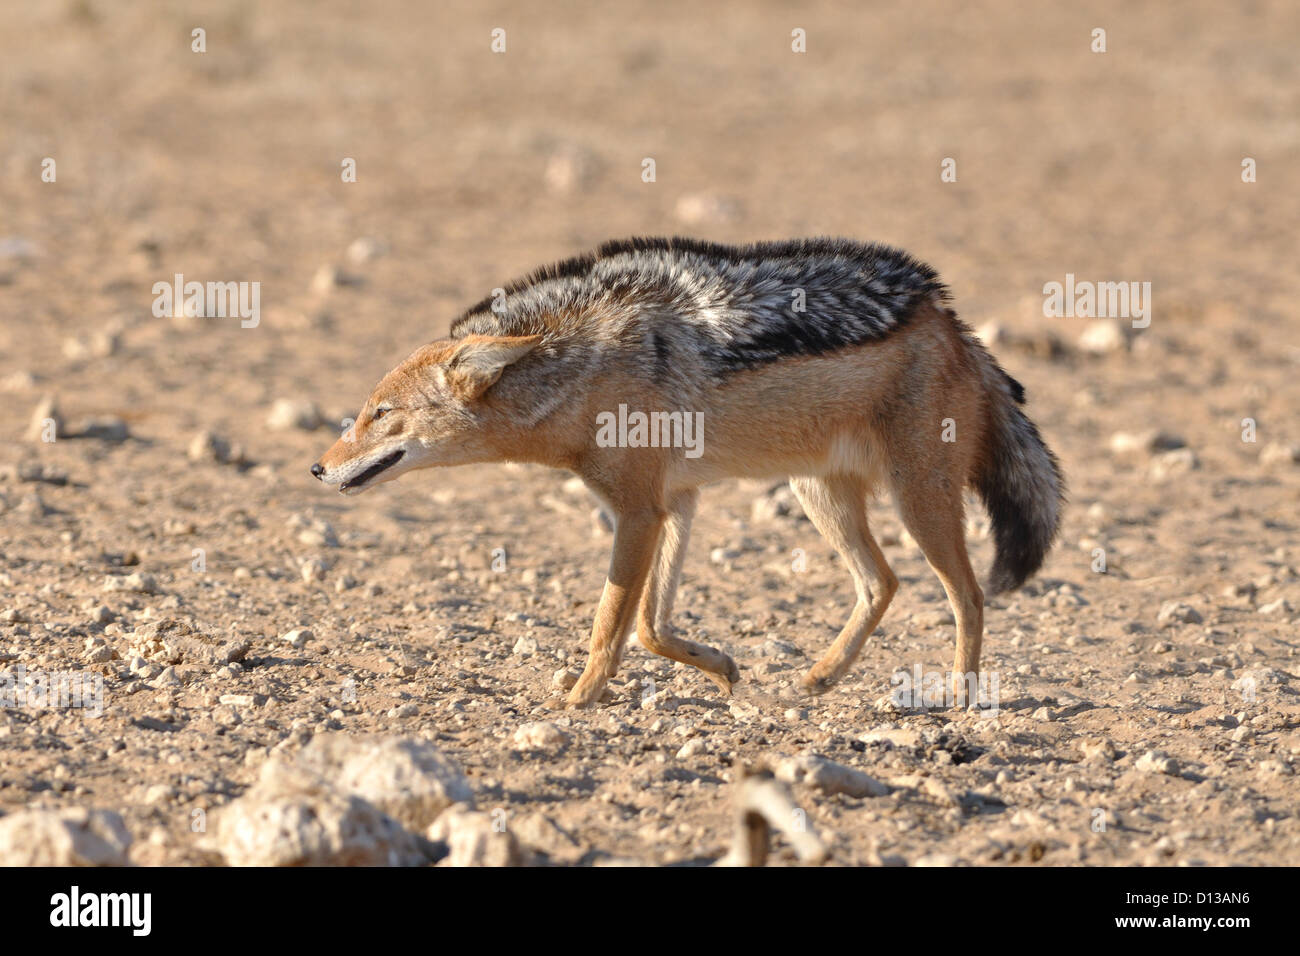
[(481, 359)]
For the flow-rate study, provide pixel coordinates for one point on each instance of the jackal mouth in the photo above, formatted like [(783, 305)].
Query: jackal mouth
[(388, 461)]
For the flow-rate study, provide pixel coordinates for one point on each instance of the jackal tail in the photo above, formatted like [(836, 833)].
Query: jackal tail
[(1020, 482)]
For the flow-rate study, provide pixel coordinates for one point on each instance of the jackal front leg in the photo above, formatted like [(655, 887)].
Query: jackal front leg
[(635, 537), (654, 627)]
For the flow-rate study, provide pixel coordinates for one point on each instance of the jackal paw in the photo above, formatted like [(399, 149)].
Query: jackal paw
[(585, 696), (814, 684), (729, 676)]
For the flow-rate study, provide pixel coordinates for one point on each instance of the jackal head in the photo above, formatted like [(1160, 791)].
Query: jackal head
[(430, 410)]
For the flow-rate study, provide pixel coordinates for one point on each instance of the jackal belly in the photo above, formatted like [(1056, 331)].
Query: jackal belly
[(806, 416)]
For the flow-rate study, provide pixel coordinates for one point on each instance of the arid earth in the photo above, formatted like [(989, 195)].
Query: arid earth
[(1148, 709)]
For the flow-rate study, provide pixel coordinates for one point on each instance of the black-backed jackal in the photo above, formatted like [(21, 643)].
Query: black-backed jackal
[(835, 363)]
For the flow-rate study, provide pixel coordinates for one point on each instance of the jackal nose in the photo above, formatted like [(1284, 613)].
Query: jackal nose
[(317, 470)]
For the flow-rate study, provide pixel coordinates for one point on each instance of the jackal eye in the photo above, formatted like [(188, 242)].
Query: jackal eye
[(380, 412)]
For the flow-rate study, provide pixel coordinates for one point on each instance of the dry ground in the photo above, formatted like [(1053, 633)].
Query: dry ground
[(474, 167)]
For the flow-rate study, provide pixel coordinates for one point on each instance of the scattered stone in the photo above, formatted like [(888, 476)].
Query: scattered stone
[(293, 816), (932, 619), (540, 735), (207, 446), (762, 804), (159, 793), (20, 381), (298, 637), (366, 249), (935, 788), (100, 344), (45, 421), (409, 779), (171, 641), (570, 167), (1098, 748), (474, 838), (1145, 442), (541, 833), (1103, 336), (287, 414), (778, 502), (1171, 464), (71, 837), (105, 428), (97, 651), (992, 334), (706, 209), (246, 701), (1155, 761), (326, 279), (775, 648), (1278, 453), (1176, 612), (892, 737), (829, 777), (693, 748), (141, 582), (1279, 608)]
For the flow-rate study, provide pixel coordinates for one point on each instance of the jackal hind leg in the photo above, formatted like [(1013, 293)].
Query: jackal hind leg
[(837, 507), (654, 627), (933, 514)]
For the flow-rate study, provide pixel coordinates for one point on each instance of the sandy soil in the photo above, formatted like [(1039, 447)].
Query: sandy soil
[(1158, 697)]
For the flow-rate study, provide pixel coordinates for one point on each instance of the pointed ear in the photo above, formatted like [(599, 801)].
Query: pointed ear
[(481, 359)]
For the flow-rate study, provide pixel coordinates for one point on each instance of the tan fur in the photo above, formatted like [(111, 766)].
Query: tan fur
[(844, 424)]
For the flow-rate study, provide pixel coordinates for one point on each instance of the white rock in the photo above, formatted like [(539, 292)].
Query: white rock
[(292, 817), (409, 779), (1176, 612), (1155, 761), (706, 208), (1145, 442), (72, 837), (829, 777), (540, 735), (298, 637), (1103, 336), (365, 249), (1171, 464), (474, 838), (45, 413), (287, 414), (1278, 453)]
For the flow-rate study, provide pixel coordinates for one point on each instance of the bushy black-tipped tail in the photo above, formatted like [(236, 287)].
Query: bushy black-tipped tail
[(1021, 484)]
